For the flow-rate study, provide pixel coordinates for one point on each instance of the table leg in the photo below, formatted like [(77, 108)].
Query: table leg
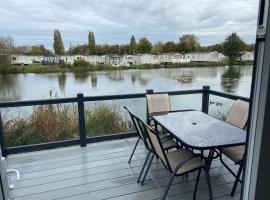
[(208, 161)]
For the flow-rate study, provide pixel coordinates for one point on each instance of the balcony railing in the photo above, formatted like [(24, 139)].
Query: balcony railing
[(80, 100)]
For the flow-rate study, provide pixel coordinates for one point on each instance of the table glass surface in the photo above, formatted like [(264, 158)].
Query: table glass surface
[(199, 130)]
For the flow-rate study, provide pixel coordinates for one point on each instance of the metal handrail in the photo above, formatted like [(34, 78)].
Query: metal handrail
[(80, 99)]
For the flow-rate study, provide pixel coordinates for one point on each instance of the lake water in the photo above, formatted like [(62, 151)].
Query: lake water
[(235, 80)]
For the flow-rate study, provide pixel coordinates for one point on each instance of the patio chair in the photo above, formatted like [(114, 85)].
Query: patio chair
[(168, 142), (238, 116), (178, 162), (157, 103)]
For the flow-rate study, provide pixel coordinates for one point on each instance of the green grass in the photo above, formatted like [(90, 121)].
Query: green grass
[(38, 68)]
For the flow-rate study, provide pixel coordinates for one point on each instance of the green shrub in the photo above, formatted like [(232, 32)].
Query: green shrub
[(50, 123), (81, 64), (46, 124), (62, 64), (104, 119)]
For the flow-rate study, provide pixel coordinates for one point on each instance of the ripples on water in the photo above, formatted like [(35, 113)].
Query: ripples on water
[(235, 80)]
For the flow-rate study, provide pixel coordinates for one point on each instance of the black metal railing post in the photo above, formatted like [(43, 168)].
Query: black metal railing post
[(2, 141), (148, 91), (81, 120), (205, 99)]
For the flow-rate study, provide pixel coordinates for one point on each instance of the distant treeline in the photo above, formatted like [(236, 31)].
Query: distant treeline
[(187, 43)]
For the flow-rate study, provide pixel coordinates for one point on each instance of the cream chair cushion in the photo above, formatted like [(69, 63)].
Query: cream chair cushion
[(158, 103), (234, 153), (180, 155), (238, 114)]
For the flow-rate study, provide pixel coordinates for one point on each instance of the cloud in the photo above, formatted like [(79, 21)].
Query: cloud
[(33, 21)]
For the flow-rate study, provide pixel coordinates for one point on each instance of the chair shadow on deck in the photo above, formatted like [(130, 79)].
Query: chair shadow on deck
[(101, 171)]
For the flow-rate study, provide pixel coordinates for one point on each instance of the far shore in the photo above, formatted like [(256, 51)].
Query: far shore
[(39, 68)]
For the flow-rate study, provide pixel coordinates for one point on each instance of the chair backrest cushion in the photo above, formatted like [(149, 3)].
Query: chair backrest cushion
[(138, 126), (158, 103), (157, 145), (238, 114)]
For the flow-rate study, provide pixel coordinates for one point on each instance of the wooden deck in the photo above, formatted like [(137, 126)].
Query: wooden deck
[(101, 171)]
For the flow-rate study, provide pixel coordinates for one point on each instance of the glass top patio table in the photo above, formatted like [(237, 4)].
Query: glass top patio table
[(198, 130)]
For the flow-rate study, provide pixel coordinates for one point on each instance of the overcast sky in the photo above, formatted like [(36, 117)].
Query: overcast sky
[(113, 21)]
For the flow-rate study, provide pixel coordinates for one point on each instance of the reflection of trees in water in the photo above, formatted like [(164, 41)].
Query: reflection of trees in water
[(80, 77), (202, 72), (62, 81), (246, 70), (116, 75), (142, 77), (181, 75), (133, 77), (230, 79), (93, 79), (9, 88), (186, 76)]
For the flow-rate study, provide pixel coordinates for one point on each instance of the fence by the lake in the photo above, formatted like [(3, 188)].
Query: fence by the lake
[(80, 101)]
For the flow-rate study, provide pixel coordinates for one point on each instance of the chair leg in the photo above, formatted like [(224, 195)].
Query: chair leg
[(208, 183), (226, 166), (147, 169), (237, 179), (145, 162), (133, 150), (168, 186), (196, 184)]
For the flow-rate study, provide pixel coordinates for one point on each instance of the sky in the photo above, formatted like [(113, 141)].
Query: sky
[(31, 22)]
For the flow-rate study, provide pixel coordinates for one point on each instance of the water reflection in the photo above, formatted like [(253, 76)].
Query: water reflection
[(184, 76), (93, 80), (142, 77), (62, 81), (188, 75), (81, 77), (116, 75), (9, 88), (36, 86), (230, 79)]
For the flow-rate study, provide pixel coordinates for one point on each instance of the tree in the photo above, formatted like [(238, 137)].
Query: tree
[(23, 50), (157, 48), (233, 47), (144, 45), (6, 45), (6, 48), (79, 49), (250, 47), (36, 51), (40, 50), (189, 43), (58, 45), (132, 45), (91, 43), (169, 47)]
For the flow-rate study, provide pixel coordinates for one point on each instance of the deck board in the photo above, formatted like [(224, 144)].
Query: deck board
[(101, 171)]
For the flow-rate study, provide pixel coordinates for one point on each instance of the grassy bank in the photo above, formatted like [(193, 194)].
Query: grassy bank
[(50, 123), (38, 68)]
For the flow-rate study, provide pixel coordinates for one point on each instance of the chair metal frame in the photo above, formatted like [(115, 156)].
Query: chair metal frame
[(144, 137), (140, 136), (237, 176), (169, 168), (240, 169)]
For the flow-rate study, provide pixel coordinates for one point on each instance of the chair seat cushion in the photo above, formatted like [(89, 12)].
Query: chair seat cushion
[(175, 157), (234, 153), (170, 143)]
